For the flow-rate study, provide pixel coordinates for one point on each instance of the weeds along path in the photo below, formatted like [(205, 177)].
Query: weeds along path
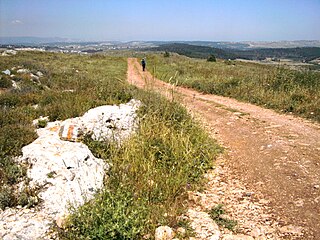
[(275, 157)]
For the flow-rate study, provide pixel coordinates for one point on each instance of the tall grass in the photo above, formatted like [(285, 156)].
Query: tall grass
[(270, 86)]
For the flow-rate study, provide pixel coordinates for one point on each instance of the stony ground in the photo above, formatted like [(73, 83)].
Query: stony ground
[(268, 178)]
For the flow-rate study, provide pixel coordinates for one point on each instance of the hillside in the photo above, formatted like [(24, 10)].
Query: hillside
[(194, 51)]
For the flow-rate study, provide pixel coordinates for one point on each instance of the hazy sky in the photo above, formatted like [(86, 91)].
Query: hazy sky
[(215, 20)]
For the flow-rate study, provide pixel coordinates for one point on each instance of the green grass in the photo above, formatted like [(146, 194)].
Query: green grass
[(150, 173), (269, 86), (217, 214)]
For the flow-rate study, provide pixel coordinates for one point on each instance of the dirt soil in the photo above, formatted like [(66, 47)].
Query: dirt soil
[(274, 159)]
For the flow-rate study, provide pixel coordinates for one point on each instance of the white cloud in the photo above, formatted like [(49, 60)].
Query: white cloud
[(16, 22)]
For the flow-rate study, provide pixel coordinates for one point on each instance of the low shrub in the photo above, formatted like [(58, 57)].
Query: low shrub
[(5, 82), (7, 198), (217, 213)]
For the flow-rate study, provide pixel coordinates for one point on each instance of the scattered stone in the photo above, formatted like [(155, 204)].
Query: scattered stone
[(7, 72), (23, 70), (316, 186), (39, 74), (290, 229), (34, 77), (299, 202), (248, 194), (68, 90), (60, 221), (256, 232), (181, 231), (203, 225), (9, 53), (15, 85), (164, 233)]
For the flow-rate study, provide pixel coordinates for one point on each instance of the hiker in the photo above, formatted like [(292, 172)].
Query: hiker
[(143, 63)]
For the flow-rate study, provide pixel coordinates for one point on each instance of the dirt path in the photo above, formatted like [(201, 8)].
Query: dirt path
[(273, 158)]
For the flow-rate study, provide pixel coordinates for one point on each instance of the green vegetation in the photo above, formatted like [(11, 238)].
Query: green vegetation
[(197, 51), (5, 81), (272, 87), (211, 58), (217, 214), (193, 51), (150, 173)]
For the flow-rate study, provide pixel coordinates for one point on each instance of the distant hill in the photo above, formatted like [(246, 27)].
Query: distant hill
[(248, 45), (298, 54), (193, 51), (283, 44)]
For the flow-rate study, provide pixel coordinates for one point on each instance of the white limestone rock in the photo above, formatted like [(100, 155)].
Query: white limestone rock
[(39, 74), (15, 85), (104, 123), (66, 171), (164, 233), (9, 53), (23, 70), (203, 225), (111, 122), (77, 174), (34, 77)]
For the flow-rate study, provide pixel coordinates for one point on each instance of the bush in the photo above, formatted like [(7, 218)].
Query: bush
[(115, 214), (5, 82), (217, 213), (211, 58), (7, 198), (14, 137), (11, 172)]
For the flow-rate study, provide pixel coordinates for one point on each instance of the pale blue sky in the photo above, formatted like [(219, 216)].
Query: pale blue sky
[(214, 20)]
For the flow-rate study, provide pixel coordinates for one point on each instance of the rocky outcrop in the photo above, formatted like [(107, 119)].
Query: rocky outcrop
[(103, 123), (9, 52), (203, 225), (65, 170)]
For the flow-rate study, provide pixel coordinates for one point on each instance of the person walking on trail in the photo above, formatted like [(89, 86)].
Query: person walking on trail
[(143, 63)]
